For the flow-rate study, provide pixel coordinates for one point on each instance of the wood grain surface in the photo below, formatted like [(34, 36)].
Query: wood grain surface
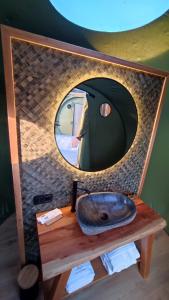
[(63, 245), (49, 42)]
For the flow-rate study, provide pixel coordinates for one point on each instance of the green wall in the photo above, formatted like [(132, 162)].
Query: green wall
[(148, 45), (6, 189), (156, 187)]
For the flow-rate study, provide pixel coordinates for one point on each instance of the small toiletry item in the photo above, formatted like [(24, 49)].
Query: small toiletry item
[(51, 221), (50, 217)]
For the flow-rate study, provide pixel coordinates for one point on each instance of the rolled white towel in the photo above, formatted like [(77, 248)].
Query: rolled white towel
[(79, 277)]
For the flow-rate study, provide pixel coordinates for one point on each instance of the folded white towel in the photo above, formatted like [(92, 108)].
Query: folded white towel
[(120, 258), (107, 263), (79, 277)]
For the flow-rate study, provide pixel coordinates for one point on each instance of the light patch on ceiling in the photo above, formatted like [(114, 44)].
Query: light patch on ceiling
[(138, 45), (111, 16)]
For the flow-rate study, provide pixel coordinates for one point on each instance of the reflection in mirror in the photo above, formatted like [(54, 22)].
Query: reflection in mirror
[(105, 109), (69, 123), (96, 124)]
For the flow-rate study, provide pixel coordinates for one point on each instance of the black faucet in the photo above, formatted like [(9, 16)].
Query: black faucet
[(74, 193)]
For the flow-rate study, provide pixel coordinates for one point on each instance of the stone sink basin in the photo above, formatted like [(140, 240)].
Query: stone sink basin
[(99, 212)]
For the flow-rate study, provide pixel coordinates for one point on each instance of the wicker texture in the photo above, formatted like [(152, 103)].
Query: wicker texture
[(43, 77)]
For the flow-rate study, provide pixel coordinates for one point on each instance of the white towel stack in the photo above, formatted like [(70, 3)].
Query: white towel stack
[(120, 258), (79, 277)]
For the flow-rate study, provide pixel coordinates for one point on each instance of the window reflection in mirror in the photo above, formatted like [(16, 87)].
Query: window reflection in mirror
[(105, 109), (69, 125), (96, 124)]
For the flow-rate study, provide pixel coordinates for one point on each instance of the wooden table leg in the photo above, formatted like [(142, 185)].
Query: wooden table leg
[(57, 289), (145, 248)]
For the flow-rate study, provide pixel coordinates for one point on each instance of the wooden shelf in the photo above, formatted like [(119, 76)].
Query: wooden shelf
[(64, 246), (100, 273)]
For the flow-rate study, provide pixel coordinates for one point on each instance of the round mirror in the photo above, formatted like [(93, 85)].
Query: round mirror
[(96, 124)]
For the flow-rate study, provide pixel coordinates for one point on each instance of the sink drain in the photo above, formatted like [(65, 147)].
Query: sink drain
[(104, 216)]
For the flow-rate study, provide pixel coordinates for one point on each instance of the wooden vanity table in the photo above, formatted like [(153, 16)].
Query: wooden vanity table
[(64, 246)]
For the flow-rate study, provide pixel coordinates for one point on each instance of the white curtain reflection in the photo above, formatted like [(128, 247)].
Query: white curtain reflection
[(69, 140)]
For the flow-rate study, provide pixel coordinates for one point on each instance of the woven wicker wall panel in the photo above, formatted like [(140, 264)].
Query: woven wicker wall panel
[(43, 77)]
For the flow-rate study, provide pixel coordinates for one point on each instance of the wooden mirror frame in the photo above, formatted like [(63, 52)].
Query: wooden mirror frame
[(8, 34)]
